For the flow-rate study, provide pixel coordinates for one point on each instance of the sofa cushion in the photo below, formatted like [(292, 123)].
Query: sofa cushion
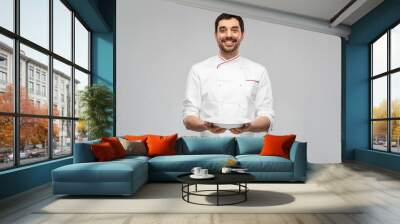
[(136, 147), (197, 145), (185, 163), (257, 163), (103, 152), (116, 145), (249, 145), (275, 145), (111, 171), (159, 145)]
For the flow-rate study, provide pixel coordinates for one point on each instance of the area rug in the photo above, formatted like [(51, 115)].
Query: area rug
[(167, 198)]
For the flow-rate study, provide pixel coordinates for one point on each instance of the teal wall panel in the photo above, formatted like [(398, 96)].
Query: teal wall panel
[(24, 178)]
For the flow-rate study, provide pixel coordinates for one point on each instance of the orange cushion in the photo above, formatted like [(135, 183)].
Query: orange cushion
[(103, 152), (161, 145), (136, 137), (277, 145), (116, 145)]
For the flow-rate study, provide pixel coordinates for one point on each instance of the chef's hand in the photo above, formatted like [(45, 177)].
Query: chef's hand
[(244, 128), (214, 129)]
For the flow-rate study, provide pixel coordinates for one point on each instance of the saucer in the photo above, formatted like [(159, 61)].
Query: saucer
[(208, 176)]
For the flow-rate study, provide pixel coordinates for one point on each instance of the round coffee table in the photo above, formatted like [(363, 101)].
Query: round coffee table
[(238, 179)]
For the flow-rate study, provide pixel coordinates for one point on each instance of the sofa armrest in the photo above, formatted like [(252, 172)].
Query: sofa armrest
[(83, 152), (298, 155)]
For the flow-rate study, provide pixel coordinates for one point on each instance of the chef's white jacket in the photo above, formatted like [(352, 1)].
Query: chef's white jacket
[(228, 91)]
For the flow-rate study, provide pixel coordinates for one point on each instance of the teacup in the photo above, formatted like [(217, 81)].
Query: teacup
[(203, 172), (196, 170)]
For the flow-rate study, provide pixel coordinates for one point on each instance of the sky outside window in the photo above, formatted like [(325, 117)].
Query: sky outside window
[(379, 56), (7, 14), (35, 21), (62, 29)]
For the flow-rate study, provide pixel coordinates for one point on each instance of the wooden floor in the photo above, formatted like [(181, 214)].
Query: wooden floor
[(377, 188)]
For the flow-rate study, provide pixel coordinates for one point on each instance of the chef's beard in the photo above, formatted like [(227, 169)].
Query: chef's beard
[(228, 50)]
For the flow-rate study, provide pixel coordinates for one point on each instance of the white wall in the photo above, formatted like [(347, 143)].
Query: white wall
[(158, 41)]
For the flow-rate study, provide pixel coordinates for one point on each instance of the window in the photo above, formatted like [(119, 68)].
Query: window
[(385, 91), (30, 88), (43, 77), (3, 78), (43, 90), (30, 72), (37, 89), (38, 74), (3, 61), (44, 131)]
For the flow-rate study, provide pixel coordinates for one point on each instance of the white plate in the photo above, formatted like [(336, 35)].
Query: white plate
[(229, 124), (208, 176)]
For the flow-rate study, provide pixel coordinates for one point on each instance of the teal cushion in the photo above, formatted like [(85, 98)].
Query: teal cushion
[(249, 145), (257, 163), (195, 145), (111, 171), (185, 163)]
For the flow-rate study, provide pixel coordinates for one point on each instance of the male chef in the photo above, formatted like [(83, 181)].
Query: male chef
[(228, 88)]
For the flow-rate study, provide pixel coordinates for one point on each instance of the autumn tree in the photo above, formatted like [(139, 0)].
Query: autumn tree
[(33, 131), (380, 127)]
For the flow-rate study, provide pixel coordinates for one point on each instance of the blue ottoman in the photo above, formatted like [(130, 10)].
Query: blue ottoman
[(118, 177)]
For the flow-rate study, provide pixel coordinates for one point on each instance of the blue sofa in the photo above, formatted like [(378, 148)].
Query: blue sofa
[(125, 176)]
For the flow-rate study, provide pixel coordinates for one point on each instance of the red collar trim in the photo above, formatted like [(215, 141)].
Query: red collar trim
[(225, 61)]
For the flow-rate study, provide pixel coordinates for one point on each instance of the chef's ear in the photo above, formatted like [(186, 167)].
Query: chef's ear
[(242, 36)]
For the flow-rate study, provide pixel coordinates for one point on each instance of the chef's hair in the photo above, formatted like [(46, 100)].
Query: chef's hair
[(229, 16)]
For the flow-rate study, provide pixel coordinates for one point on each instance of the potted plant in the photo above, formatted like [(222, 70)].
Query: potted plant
[(96, 102)]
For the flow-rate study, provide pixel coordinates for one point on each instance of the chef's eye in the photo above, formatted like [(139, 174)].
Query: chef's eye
[(222, 29)]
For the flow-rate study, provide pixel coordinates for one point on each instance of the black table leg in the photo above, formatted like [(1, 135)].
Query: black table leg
[(196, 188), (217, 194), (245, 193)]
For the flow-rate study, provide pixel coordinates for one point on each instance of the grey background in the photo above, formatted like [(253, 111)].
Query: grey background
[(158, 41)]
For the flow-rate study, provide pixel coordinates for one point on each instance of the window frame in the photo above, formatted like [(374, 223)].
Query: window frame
[(388, 74), (16, 114)]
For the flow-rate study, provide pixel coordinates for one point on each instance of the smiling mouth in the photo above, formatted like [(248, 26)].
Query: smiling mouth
[(229, 42)]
